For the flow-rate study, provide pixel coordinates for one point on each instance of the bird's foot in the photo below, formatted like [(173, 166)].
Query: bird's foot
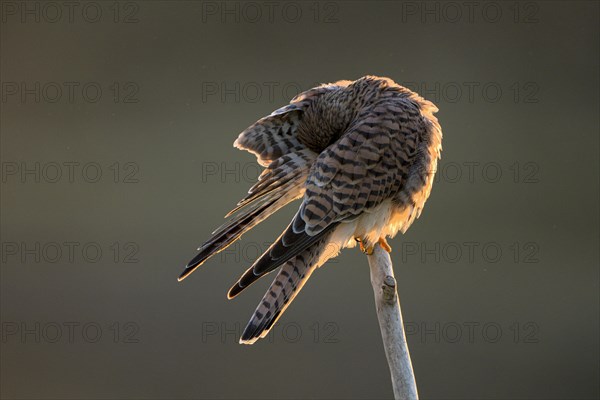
[(368, 250), (385, 245)]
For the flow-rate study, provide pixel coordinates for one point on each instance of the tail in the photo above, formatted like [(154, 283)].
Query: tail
[(286, 286)]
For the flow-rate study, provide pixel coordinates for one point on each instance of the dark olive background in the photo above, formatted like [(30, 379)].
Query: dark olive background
[(327, 345)]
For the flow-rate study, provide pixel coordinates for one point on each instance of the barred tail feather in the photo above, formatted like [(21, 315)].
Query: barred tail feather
[(287, 284)]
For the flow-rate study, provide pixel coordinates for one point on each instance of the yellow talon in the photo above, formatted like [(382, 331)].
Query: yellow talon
[(385, 245), (360, 244), (367, 250)]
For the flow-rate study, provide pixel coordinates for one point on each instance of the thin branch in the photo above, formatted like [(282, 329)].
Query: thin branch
[(390, 323)]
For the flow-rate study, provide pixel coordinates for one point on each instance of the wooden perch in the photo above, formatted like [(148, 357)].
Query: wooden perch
[(390, 323)]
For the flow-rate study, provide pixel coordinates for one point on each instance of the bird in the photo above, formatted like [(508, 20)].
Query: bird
[(361, 155)]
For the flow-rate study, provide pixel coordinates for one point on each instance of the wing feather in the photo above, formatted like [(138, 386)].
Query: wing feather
[(288, 164), (273, 140), (366, 166)]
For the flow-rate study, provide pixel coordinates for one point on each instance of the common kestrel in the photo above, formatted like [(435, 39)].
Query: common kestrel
[(361, 154)]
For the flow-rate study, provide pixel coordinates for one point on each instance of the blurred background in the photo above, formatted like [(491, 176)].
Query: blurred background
[(117, 124)]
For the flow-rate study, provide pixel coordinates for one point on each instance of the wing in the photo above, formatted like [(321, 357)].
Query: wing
[(273, 140), (366, 166), (288, 162), (275, 135)]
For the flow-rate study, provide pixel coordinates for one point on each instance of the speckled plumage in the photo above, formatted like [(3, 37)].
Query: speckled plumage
[(361, 154)]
